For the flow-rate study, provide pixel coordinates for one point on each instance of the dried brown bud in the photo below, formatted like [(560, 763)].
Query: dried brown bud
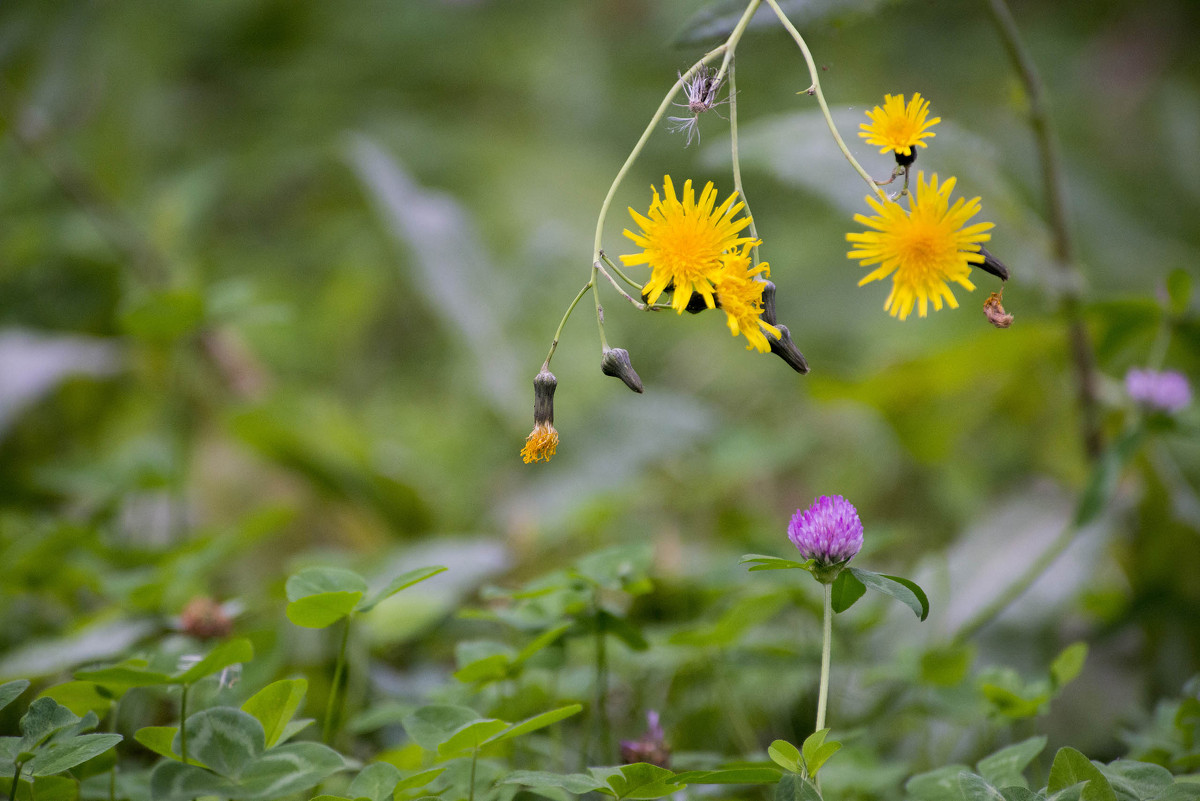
[(784, 348), (544, 384), (204, 619), (616, 363), (992, 265), (995, 312)]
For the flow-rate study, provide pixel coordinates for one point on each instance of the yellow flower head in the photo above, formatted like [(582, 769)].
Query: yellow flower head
[(922, 248), (540, 444), (683, 241), (898, 127), (740, 296)]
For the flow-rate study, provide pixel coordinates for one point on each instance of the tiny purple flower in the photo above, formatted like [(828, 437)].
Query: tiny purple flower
[(828, 531), (1165, 391)]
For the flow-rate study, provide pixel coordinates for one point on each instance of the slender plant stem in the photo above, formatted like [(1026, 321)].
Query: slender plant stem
[(737, 164), (826, 649), (474, 762), (1054, 185), (613, 266), (12, 791), (734, 37), (599, 308), (183, 723), (602, 687), (563, 322), (636, 303), (816, 89), (331, 709)]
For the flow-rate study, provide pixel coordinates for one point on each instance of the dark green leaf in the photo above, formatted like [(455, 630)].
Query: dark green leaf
[(1070, 767), (56, 757), (937, 785), (845, 591), (902, 589), (230, 652), (323, 609), (536, 722), (130, 673), (1179, 290), (1005, 767), (81, 697), (795, 788), (175, 781), (48, 788), (430, 726), (160, 740), (730, 776), (418, 779), (1018, 793), (470, 737), (225, 739), (575, 783), (44, 717), (376, 782), (1006, 702), (976, 788), (10, 690), (319, 580), (639, 781), (760, 562)]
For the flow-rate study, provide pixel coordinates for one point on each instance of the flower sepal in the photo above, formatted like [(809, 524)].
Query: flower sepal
[(822, 573)]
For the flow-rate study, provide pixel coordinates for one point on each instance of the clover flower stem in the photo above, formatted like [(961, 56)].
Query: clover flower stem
[(182, 724), (563, 322), (1054, 184), (338, 669), (613, 266), (737, 165), (826, 648), (816, 89)]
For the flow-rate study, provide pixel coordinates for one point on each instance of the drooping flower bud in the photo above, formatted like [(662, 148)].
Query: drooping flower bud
[(784, 348), (768, 302), (829, 531), (543, 440), (616, 363), (992, 265)]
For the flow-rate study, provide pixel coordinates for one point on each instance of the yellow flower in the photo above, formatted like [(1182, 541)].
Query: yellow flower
[(739, 295), (683, 240), (899, 128), (540, 444), (922, 248)]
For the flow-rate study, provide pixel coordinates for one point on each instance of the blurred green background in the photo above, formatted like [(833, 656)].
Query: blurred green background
[(276, 276)]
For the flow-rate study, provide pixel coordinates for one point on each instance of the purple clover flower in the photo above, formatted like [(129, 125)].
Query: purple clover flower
[(1165, 391), (828, 531)]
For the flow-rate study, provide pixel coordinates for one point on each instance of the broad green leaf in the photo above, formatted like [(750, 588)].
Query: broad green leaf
[(418, 779), (47, 788), (10, 690), (1180, 791), (761, 562), (275, 705), (1070, 767), (81, 697), (730, 776), (735, 621), (623, 630), (126, 674), (321, 580), (287, 769), (946, 666), (1015, 792), (1068, 664), (976, 788), (1005, 768), (902, 589), (489, 668), (575, 783), (536, 722), (821, 756), (639, 781), (56, 757), (376, 782), (1130, 779), (812, 743), (471, 736), (401, 582), (293, 728), (1179, 290), (796, 788), (322, 609), (331, 798), (160, 739), (430, 726), (225, 739), (1008, 703), (541, 641), (44, 717), (845, 591), (175, 781), (936, 785), (230, 652), (786, 755)]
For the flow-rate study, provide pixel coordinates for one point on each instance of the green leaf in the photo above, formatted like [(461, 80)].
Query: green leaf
[(575, 783), (744, 615), (821, 756), (796, 788), (490, 668), (1103, 481), (163, 317), (175, 781), (1070, 767), (1131, 779), (1179, 291), (160, 739), (623, 630), (275, 705), (293, 728), (786, 755), (541, 641), (730, 776), (1068, 664), (418, 779), (431, 725), (10, 690), (1006, 702), (320, 580), (812, 743), (639, 781), (976, 788), (761, 562), (376, 781), (1018, 793), (1005, 768), (1180, 791), (44, 717), (56, 757), (845, 591), (936, 785), (230, 652), (536, 722), (902, 589), (401, 582), (946, 666), (126, 674), (225, 739), (471, 736), (48, 788), (81, 697), (288, 769), (323, 609)]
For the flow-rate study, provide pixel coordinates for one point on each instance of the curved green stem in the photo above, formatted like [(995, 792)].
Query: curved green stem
[(563, 322), (737, 164), (816, 89), (331, 709), (12, 793), (734, 37), (613, 266)]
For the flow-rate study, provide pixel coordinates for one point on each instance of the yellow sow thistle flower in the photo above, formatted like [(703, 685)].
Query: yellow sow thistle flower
[(683, 241), (898, 127), (740, 296), (923, 248)]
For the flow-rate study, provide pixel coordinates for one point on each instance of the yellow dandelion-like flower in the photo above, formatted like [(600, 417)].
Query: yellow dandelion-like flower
[(922, 248), (740, 296), (540, 444), (898, 127), (683, 240)]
